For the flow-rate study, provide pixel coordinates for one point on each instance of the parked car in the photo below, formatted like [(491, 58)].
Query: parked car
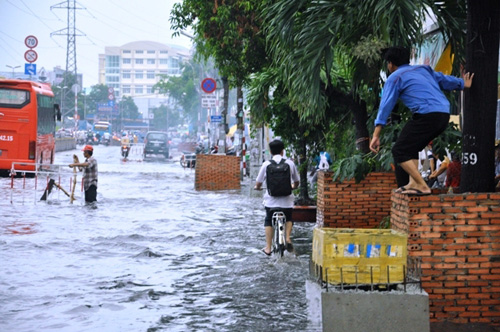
[(156, 142)]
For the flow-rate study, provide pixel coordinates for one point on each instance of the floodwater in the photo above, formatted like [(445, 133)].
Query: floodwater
[(152, 255)]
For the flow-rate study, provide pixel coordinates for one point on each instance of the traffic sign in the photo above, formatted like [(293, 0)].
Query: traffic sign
[(76, 88), (215, 118), (31, 41), (29, 69), (208, 101), (30, 55), (208, 85)]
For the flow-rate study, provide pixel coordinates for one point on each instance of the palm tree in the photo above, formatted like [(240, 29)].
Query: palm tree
[(330, 50)]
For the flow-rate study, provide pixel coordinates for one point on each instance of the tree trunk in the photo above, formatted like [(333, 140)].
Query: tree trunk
[(479, 114), (303, 185), (223, 127), (360, 117)]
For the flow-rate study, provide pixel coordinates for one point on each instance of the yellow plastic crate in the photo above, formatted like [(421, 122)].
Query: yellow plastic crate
[(355, 256)]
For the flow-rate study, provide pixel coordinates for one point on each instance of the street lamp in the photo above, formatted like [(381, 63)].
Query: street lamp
[(13, 68), (62, 94)]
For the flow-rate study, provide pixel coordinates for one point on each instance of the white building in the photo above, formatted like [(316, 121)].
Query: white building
[(134, 68)]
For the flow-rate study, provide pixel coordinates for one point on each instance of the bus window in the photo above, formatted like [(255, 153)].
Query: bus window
[(14, 98), (46, 115)]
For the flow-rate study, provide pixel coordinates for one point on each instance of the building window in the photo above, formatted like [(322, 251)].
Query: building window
[(126, 89), (151, 52), (139, 90), (173, 63), (149, 89), (163, 72), (126, 52), (139, 61), (112, 79), (151, 61), (139, 52), (112, 61), (163, 52), (174, 71), (150, 74), (139, 75), (163, 61), (126, 74), (126, 61)]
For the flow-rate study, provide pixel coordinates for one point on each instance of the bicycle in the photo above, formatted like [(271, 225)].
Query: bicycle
[(279, 241)]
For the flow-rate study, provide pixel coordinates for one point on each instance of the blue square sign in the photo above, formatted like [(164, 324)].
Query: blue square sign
[(29, 69)]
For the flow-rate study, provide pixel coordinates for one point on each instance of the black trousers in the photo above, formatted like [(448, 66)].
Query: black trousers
[(415, 136), (91, 194)]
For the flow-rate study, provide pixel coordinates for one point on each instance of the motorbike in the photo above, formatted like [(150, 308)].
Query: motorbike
[(90, 140), (188, 159), (125, 151), (105, 141)]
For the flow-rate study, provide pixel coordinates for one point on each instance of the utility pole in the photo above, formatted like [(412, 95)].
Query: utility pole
[(70, 32), (478, 156)]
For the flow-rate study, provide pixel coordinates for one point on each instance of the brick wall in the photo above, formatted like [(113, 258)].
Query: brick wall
[(457, 237), (217, 172), (354, 205)]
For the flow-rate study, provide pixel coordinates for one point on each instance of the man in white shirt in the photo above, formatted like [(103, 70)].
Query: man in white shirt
[(285, 203)]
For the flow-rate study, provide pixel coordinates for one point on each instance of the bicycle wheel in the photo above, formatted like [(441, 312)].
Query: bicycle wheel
[(276, 242), (280, 238), (281, 250)]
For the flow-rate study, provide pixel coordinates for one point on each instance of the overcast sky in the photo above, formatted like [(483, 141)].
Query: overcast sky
[(103, 22)]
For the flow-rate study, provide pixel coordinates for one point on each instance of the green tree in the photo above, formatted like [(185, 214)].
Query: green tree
[(307, 39), (184, 90), (328, 53), (165, 117), (128, 108), (98, 94), (229, 33)]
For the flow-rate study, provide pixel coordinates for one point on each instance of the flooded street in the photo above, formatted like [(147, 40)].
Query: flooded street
[(153, 255)]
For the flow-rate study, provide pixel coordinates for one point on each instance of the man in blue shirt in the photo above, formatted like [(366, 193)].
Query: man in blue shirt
[(419, 88)]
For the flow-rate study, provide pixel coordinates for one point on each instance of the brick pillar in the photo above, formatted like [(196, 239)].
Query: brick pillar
[(217, 172), (354, 205), (457, 237)]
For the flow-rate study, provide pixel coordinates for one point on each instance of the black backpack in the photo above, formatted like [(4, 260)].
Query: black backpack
[(278, 179)]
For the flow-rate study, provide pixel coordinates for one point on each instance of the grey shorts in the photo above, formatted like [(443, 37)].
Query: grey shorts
[(270, 211)]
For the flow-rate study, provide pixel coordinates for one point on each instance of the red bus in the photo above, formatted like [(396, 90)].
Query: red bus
[(27, 124)]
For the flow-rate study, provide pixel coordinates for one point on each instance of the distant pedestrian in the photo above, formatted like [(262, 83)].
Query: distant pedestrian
[(323, 162), (89, 174), (454, 172), (419, 88)]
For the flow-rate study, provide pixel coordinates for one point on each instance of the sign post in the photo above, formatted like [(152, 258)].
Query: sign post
[(30, 55)]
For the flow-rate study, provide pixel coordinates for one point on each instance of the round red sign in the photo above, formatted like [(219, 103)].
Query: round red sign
[(31, 41), (30, 56), (208, 85)]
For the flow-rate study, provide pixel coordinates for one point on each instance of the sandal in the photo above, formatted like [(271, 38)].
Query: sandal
[(400, 189), (264, 251)]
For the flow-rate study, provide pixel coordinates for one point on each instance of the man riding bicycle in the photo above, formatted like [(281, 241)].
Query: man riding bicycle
[(279, 197)]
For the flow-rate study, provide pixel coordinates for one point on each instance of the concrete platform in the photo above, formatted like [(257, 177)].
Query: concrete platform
[(353, 311)]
